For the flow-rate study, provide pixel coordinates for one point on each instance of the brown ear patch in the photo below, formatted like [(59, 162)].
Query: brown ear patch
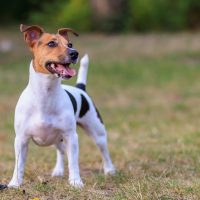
[(31, 33), (64, 32)]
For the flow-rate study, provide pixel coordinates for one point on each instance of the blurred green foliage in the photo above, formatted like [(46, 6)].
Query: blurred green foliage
[(130, 15), (164, 14), (71, 13), (158, 14)]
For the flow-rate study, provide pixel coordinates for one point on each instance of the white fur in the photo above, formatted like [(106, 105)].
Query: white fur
[(45, 114), (82, 74)]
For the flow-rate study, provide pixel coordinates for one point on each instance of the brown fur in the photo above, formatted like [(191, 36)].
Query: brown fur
[(37, 40)]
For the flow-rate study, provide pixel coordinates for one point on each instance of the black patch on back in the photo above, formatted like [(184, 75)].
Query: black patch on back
[(81, 86), (98, 115), (73, 100), (84, 106)]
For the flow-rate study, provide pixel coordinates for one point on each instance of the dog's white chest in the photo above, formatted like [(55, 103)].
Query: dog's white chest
[(45, 130)]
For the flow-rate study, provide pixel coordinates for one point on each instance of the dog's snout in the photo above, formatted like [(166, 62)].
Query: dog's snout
[(73, 54)]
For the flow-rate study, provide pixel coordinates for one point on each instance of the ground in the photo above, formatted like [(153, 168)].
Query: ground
[(147, 89)]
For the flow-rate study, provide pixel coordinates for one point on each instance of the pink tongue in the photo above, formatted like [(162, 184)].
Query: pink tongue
[(65, 71), (71, 71)]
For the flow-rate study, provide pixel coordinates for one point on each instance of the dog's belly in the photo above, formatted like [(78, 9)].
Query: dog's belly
[(45, 134)]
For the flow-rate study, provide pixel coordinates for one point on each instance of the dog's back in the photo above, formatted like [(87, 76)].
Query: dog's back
[(84, 108)]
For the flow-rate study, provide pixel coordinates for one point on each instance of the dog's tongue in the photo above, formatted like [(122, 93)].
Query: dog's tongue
[(65, 70)]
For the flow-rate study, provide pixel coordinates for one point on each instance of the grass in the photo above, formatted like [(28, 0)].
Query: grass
[(148, 91)]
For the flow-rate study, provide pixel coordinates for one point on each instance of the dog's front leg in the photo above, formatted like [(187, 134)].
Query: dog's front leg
[(73, 154), (21, 148)]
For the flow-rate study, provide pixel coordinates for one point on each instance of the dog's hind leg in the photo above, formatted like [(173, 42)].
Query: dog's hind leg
[(97, 131), (92, 122), (60, 165)]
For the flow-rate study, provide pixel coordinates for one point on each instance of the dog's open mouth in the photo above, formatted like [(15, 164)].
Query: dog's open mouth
[(62, 70)]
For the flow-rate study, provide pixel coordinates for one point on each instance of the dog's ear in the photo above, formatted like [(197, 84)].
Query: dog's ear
[(64, 32), (31, 33)]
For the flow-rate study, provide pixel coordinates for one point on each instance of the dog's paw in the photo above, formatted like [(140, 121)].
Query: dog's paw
[(14, 184), (110, 171), (57, 172), (77, 183)]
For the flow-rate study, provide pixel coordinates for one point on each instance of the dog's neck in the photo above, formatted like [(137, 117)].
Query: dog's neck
[(44, 86)]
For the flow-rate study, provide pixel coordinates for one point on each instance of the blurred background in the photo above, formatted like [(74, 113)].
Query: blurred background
[(117, 16), (144, 77)]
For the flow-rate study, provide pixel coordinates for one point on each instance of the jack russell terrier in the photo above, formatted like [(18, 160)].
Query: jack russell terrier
[(48, 112)]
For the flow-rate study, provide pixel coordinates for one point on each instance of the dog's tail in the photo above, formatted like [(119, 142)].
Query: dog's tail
[(82, 73)]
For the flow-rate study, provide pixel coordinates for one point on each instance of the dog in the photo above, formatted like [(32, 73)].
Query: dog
[(48, 112)]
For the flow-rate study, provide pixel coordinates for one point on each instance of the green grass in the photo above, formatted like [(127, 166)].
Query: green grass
[(147, 88)]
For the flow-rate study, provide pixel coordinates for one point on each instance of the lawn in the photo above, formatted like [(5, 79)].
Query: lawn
[(147, 88)]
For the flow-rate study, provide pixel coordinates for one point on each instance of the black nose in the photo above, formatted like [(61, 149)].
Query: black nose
[(73, 54)]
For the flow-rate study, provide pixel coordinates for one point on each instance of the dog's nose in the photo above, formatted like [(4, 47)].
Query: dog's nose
[(73, 54)]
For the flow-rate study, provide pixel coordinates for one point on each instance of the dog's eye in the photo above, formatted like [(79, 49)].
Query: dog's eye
[(70, 45), (52, 44)]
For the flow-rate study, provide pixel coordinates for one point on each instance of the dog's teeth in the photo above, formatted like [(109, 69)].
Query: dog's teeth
[(57, 75), (53, 66)]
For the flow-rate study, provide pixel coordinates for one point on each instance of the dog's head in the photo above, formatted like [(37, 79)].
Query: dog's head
[(52, 53)]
